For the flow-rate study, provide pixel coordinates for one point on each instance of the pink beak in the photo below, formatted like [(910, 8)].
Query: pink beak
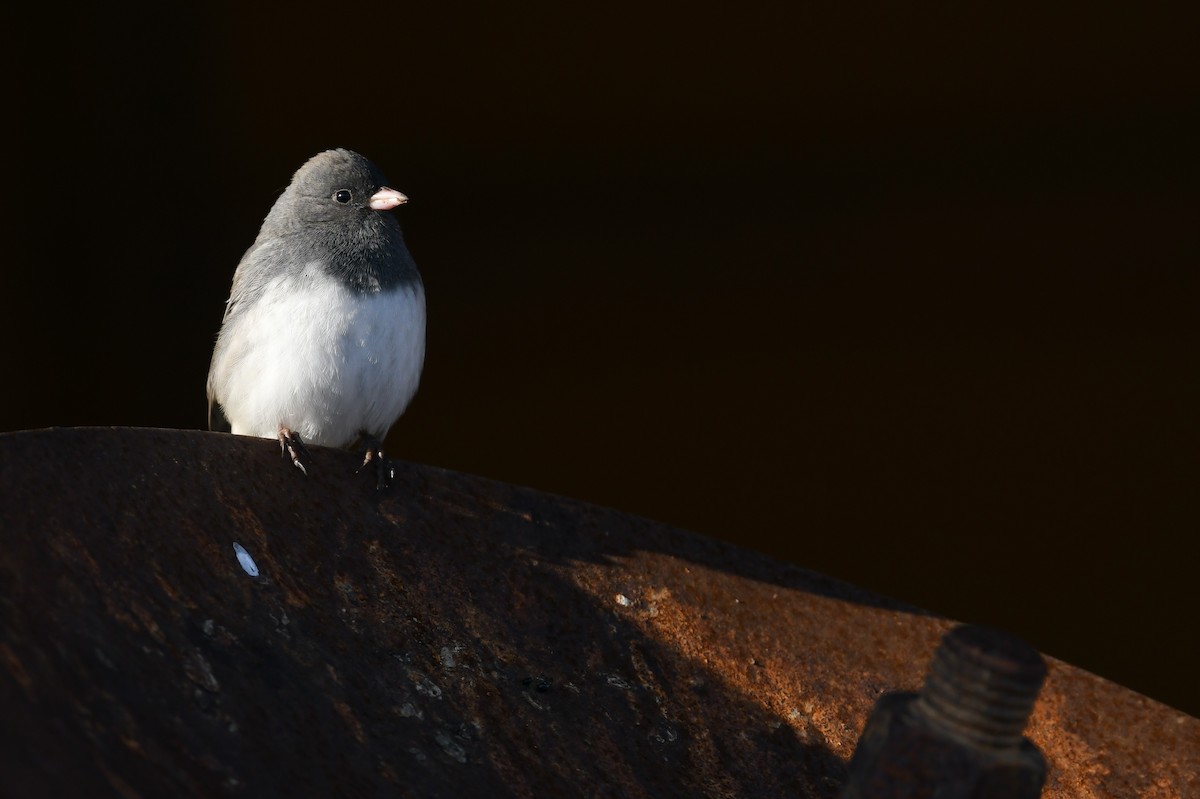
[(386, 199)]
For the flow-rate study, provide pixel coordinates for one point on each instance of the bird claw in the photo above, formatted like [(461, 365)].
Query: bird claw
[(384, 472), (291, 446)]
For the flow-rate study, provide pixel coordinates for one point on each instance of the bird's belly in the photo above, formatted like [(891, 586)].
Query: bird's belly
[(327, 363)]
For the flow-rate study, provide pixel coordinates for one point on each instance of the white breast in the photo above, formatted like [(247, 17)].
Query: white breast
[(323, 361)]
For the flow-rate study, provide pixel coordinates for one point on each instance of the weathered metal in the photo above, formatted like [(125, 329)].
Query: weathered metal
[(449, 636), (960, 737)]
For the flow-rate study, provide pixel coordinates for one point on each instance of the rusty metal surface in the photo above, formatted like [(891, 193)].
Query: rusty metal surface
[(450, 636), (960, 737)]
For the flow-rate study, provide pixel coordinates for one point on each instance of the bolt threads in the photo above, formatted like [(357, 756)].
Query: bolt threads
[(982, 686)]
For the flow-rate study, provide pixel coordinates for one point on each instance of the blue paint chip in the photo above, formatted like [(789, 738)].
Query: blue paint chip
[(248, 564)]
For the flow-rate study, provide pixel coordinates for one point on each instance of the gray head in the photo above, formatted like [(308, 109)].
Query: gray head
[(336, 212)]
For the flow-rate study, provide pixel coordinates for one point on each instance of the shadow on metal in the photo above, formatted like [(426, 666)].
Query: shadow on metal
[(185, 615)]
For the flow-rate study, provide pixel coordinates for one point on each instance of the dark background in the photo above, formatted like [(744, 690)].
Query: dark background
[(904, 296)]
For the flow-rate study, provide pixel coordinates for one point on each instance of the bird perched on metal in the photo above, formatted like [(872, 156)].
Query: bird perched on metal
[(323, 339)]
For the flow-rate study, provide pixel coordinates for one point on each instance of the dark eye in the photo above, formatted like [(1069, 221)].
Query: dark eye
[(343, 196)]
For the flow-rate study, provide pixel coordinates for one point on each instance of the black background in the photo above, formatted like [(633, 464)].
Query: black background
[(906, 296)]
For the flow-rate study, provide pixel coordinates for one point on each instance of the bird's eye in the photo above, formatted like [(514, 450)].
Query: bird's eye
[(343, 196)]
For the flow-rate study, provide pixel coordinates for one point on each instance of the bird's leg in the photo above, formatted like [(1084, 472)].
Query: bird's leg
[(291, 446), (384, 472)]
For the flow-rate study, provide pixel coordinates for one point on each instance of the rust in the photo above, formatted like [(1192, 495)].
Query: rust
[(960, 736), (448, 635)]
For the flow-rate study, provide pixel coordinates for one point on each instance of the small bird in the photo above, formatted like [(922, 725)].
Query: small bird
[(323, 339)]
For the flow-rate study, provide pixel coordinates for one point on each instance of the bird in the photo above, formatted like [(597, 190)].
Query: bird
[(323, 337)]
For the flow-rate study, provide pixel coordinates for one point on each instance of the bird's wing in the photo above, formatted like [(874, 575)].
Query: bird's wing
[(216, 418), (247, 285)]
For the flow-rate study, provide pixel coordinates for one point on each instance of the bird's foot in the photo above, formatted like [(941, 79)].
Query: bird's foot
[(291, 446), (384, 472)]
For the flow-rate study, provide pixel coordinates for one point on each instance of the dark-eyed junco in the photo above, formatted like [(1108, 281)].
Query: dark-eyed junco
[(323, 338)]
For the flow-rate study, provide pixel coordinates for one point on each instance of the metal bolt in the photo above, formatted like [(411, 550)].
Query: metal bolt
[(961, 736)]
